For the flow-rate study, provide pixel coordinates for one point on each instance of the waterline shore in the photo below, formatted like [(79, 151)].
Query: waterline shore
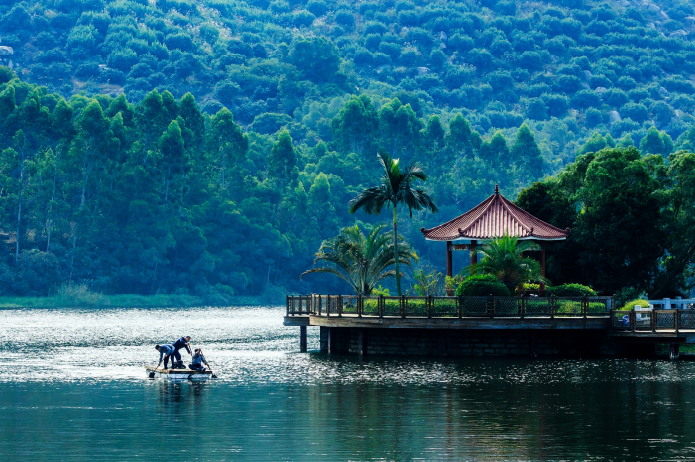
[(129, 300)]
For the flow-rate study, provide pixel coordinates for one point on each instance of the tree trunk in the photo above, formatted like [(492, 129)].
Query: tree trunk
[(395, 248), (223, 166), (84, 184), (19, 206), (19, 211), (49, 225), (50, 209)]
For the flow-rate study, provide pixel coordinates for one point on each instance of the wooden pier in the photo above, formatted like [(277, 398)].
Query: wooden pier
[(485, 325)]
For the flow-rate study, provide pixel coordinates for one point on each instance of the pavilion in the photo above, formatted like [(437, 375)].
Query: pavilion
[(491, 219)]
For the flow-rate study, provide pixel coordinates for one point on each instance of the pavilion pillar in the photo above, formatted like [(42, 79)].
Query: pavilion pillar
[(449, 266), (520, 286), (542, 285), (473, 248)]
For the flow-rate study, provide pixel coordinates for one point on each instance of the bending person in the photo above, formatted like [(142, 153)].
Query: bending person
[(198, 358), (180, 344), (166, 351)]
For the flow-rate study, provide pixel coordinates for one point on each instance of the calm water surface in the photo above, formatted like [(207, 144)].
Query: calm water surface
[(73, 387)]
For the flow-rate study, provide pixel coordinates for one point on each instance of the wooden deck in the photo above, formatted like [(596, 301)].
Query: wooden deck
[(461, 325), (504, 323)]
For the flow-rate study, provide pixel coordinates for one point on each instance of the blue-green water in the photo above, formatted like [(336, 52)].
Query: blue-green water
[(73, 387)]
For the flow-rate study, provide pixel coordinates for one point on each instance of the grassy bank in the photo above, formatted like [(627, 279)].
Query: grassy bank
[(127, 300)]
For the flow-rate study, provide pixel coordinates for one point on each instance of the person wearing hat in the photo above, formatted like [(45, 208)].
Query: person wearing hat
[(165, 351), (198, 358)]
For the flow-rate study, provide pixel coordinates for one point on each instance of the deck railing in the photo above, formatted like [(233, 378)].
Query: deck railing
[(447, 307), (673, 303), (653, 320)]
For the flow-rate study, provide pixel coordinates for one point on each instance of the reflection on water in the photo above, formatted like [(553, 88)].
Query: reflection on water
[(73, 386)]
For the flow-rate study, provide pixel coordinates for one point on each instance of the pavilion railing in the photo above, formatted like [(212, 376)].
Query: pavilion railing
[(653, 320), (448, 307)]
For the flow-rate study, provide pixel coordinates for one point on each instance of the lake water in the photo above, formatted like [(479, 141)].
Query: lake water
[(73, 387)]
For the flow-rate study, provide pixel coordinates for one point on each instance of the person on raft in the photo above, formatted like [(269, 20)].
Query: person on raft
[(180, 344), (198, 358), (166, 351)]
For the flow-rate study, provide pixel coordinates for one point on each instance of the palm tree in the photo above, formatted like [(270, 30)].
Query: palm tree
[(503, 258), (359, 260), (396, 187)]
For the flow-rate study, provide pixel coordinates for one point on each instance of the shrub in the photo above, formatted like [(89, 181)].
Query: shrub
[(571, 290), (585, 99), (625, 294), (179, 41), (6, 74), (637, 112), (87, 70), (71, 294), (593, 117), (37, 272), (482, 285), (83, 36), (122, 59), (345, 19), (303, 18), (632, 304), (535, 109)]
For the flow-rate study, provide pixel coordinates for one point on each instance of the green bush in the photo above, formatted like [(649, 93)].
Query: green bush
[(625, 294), (482, 285), (6, 74), (71, 294), (571, 290), (630, 306)]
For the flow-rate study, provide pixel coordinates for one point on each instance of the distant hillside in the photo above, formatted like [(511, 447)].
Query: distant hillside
[(479, 92), (613, 67)]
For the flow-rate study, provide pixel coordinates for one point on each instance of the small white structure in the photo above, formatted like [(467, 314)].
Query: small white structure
[(638, 315), (677, 303), (6, 54)]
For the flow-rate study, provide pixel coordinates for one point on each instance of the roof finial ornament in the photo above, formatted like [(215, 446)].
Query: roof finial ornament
[(497, 189)]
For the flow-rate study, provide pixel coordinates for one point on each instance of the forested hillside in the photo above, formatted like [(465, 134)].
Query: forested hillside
[(121, 166)]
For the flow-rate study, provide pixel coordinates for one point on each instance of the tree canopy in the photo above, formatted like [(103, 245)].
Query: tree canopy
[(211, 147)]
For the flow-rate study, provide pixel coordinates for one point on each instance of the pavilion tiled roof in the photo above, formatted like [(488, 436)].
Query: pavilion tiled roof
[(491, 219)]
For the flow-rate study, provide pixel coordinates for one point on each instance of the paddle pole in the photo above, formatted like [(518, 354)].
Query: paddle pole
[(208, 364)]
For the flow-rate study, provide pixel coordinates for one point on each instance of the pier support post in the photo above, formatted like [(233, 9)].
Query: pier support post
[(362, 342), (533, 344), (302, 339), (442, 343), (674, 351), (331, 341)]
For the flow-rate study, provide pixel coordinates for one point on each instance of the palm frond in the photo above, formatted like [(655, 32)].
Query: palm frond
[(362, 261), (502, 257), (372, 200)]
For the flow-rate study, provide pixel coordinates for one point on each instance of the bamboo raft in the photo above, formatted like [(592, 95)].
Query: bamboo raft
[(177, 374)]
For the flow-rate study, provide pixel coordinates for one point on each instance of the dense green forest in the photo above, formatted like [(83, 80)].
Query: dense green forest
[(209, 147)]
